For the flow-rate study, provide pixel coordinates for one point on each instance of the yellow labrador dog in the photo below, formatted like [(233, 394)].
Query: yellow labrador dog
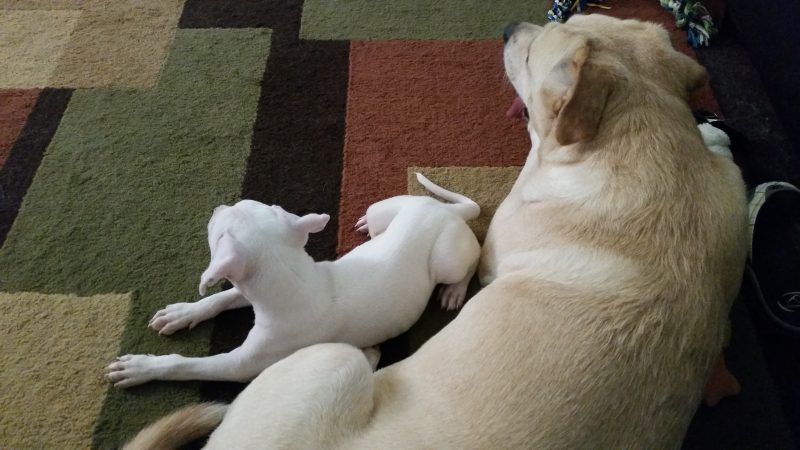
[(611, 267)]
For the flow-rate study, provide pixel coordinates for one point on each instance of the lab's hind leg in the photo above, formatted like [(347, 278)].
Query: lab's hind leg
[(306, 400)]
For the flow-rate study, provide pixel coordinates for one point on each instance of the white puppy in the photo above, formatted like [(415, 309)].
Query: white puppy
[(373, 293)]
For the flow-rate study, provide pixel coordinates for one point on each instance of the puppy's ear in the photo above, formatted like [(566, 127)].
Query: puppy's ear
[(311, 223), (228, 260), (580, 100)]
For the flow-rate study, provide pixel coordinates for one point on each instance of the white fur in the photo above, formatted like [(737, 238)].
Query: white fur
[(716, 140), (373, 293)]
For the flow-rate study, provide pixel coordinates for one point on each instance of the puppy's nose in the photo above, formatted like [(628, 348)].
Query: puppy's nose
[(509, 30)]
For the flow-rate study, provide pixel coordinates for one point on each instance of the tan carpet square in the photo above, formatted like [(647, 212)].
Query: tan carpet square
[(85, 43), (48, 5), (31, 44), (488, 186), (123, 44), (53, 349)]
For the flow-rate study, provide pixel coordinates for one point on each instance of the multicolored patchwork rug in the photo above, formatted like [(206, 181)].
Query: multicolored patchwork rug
[(122, 124)]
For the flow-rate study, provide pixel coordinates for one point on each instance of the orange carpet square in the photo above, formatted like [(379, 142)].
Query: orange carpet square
[(422, 103)]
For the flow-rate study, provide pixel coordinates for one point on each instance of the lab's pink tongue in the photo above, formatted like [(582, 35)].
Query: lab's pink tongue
[(516, 108)]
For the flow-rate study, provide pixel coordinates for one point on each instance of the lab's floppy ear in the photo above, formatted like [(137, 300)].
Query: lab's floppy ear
[(311, 223), (528, 30), (580, 105), (694, 75), (228, 261)]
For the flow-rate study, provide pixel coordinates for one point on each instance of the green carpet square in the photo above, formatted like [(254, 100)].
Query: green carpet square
[(412, 19), (123, 195)]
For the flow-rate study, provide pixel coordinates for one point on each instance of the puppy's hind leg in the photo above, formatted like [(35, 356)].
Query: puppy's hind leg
[(453, 262), (310, 399), (379, 215)]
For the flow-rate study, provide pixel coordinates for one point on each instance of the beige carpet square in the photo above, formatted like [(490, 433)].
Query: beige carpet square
[(123, 44), (31, 44), (48, 5), (488, 186), (53, 349)]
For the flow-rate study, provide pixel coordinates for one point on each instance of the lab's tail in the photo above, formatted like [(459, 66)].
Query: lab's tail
[(463, 205), (179, 428)]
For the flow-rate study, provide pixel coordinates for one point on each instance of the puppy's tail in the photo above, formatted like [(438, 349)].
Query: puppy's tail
[(179, 428), (463, 205)]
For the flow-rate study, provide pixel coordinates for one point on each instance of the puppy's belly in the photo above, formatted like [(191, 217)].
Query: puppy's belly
[(378, 301)]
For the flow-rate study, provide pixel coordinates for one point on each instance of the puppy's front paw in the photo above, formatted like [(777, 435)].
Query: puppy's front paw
[(130, 370), (452, 296), (178, 316)]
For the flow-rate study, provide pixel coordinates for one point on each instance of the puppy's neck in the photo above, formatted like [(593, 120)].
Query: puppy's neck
[(285, 279)]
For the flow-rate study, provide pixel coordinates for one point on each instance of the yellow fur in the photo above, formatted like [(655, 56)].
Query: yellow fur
[(613, 263)]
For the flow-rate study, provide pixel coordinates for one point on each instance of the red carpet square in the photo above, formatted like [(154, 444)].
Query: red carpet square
[(15, 106), (422, 103)]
